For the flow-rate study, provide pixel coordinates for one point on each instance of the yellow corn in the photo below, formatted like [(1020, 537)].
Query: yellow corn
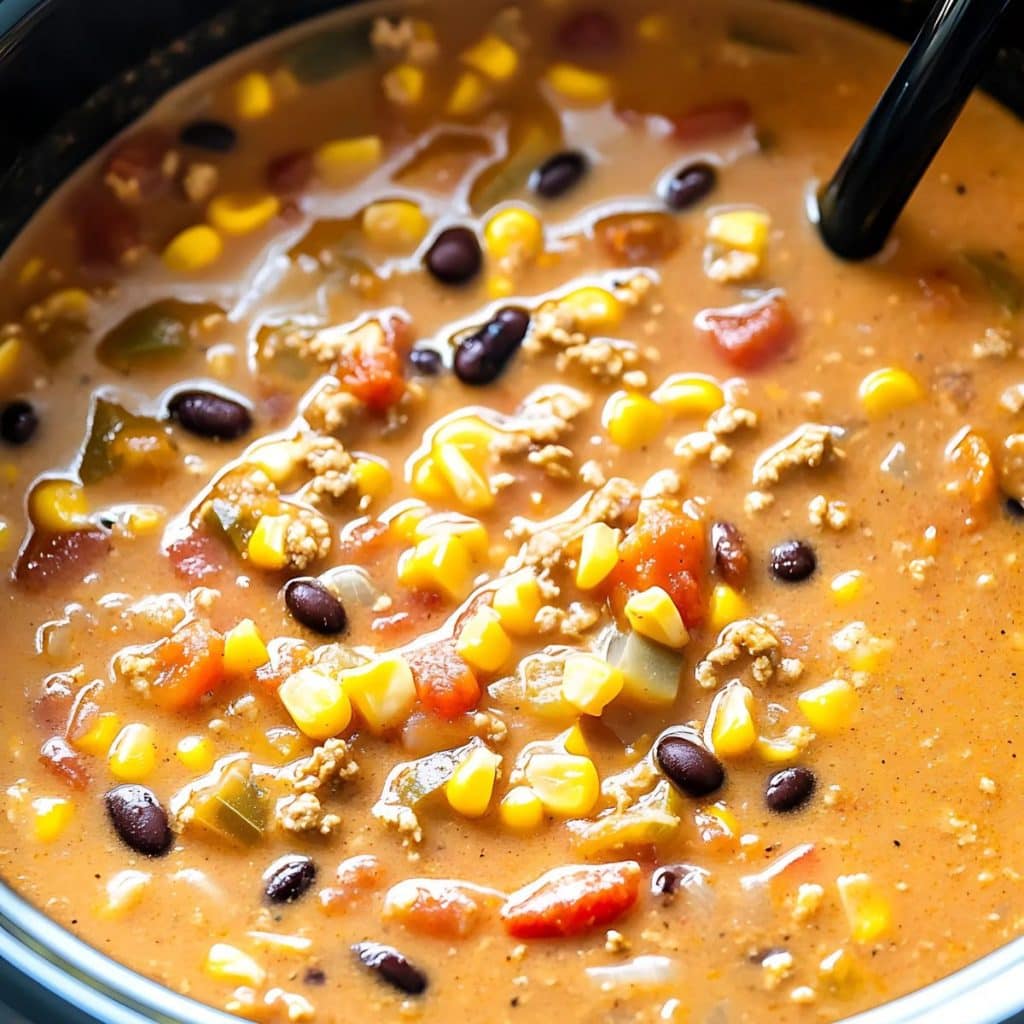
[(442, 563), (468, 96), (254, 96), (733, 732), (278, 459), (144, 520), (373, 478), (267, 547), (746, 230), (336, 162), (244, 649), (483, 642), (653, 615), (566, 784), (517, 602), (867, 910), (195, 753), (132, 755), (514, 232), (5, 534), (97, 739), (404, 85), (10, 353), (492, 57), (689, 394), (885, 390), (226, 963), (58, 506), (578, 85), (473, 435), (470, 531), (653, 28), (521, 809), (239, 213), (470, 487), (124, 892), (830, 707), (727, 605), (382, 691), (573, 741), (471, 786), (589, 683), (599, 554), (51, 817), (404, 523), (317, 702), (847, 586), (499, 286), (777, 750), (397, 225), (717, 827), (593, 309), (632, 420), (193, 249), (427, 481)]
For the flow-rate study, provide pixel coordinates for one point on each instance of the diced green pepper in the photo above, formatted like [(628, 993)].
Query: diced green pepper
[(1000, 279), (413, 781), (651, 820), (528, 151), (327, 54), (651, 671), (109, 447), (158, 333), (233, 806)]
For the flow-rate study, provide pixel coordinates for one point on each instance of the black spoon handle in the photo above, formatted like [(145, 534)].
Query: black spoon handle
[(881, 169)]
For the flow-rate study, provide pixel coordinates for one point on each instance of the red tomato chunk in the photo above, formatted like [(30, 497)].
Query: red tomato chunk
[(750, 335), (444, 681)]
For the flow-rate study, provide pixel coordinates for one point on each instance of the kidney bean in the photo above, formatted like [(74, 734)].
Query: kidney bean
[(65, 762), (289, 172), (427, 362), (558, 174), (215, 136), (18, 422), (139, 819), (689, 765), (482, 356), (689, 185), (391, 966), (789, 789), (792, 561), (631, 238), (588, 35), (455, 256), (108, 233), (210, 415), (60, 557), (312, 604), (732, 560), (288, 878)]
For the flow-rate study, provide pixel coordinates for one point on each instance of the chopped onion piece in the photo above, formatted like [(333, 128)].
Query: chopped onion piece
[(640, 972), (351, 584)]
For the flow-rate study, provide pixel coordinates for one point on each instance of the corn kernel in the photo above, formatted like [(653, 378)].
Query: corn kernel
[(193, 249), (317, 702), (5, 534), (589, 683), (499, 286), (373, 478), (10, 353), (58, 506), (441, 563), (244, 649), (830, 707), (521, 809), (472, 434), (733, 732), (51, 817), (746, 230), (226, 963), (267, 547), (124, 892), (404, 85), (482, 641), (653, 28), (573, 741), (517, 602), (338, 161), (867, 910), (471, 488), (278, 459), (97, 739), (578, 85), (195, 753), (847, 586), (240, 213), (468, 96), (382, 691), (427, 481), (144, 520), (632, 420), (653, 615), (599, 554), (887, 389), (132, 755), (592, 309), (727, 605), (397, 225), (777, 750), (470, 531), (514, 232), (689, 394), (404, 523), (493, 57), (471, 786), (717, 827), (566, 784), (254, 96)]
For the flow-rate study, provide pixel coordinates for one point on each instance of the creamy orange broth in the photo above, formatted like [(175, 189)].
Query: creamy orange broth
[(903, 862)]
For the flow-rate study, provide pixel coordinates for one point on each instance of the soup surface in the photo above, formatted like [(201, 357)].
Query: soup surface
[(471, 554)]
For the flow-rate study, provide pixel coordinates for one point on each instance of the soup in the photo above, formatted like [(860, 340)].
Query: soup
[(471, 553)]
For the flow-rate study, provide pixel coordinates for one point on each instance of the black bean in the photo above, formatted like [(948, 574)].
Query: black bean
[(427, 362), (316, 607), (314, 976), (732, 560), (669, 878), (216, 136), (18, 422), (392, 966), (482, 356), (589, 35), (455, 256), (210, 415), (689, 765), (139, 820), (558, 174), (1014, 508), (789, 789), (792, 561), (288, 878), (690, 185)]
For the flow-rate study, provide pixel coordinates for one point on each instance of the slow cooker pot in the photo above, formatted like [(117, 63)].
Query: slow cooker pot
[(72, 74)]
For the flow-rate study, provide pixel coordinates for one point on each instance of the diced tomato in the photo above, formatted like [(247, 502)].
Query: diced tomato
[(713, 119), (361, 540), (60, 557), (445, 683), (65, 762), (190, 665), (355, 876), (51, 710), (664, 549), (371, 368), (570, 900), (751, 334), (196, 557), (438, 906)]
